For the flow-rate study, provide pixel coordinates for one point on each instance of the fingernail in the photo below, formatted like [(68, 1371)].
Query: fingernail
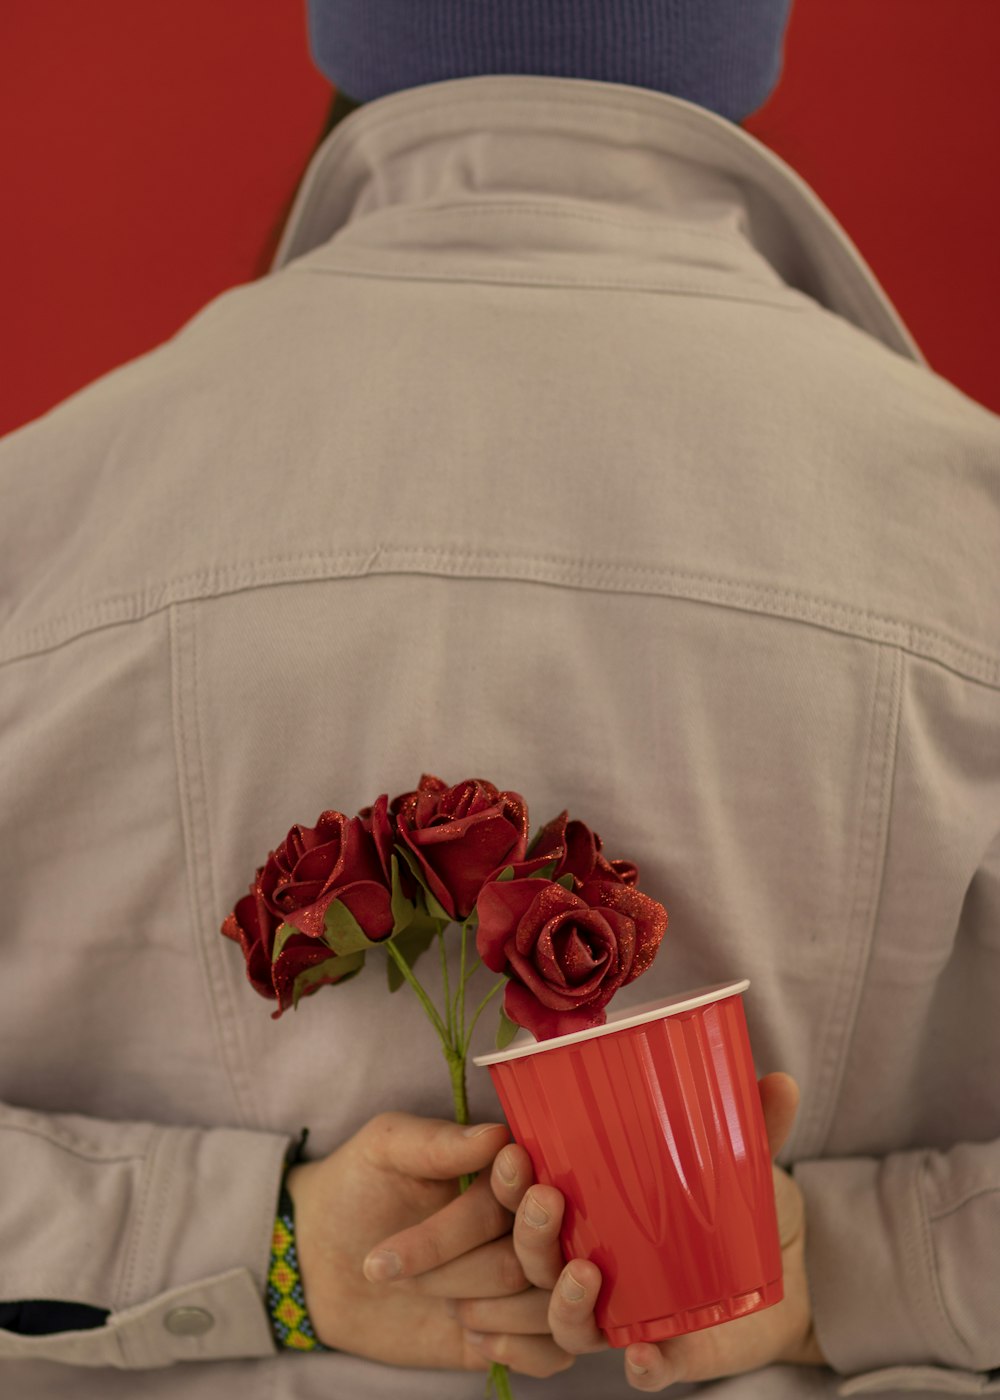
[(506, 1168), (639, 1370), (475, 1337), (480, 1128), (533, 1212), (382, 1266), (450, 1308), (571, 1289)]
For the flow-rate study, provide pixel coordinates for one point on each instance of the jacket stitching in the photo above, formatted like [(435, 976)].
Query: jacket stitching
[(926, 1245), (163, 1170), (124, 1287), (972, 1196), (86, 1156), (187, 749), (887, 758), (781, 299), (262, 573), (842, 1009), (531, 206), (779, 180)]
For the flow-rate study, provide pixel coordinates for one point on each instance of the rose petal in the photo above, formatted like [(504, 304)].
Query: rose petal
[(466, 853), (295, 957), (648, 915), (524, 972), (257, 955), (500, 906), (435, 884), (573, 946), (544, 1023), (551, 901), (375, 821)]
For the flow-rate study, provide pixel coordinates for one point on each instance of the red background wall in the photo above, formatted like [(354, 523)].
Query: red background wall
[(147, 152)]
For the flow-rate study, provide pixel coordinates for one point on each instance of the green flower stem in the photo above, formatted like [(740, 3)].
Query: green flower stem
[(456, 1066), (460, 996), (468, 976), (455, 1055), (481, 1008), (449, 1012), (459, 1094), (501, 1381), (425, 1000)]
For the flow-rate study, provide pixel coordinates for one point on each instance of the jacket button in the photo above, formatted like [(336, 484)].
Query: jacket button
[(188, 1322)]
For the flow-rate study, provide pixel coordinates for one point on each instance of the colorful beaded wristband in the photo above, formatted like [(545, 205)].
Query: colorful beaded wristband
[(286, 1301)]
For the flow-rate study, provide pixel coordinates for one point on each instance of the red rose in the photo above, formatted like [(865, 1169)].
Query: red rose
[(339, 858), (578, 851), (253, 926), (566, 954), (461, 837), (345, 858)]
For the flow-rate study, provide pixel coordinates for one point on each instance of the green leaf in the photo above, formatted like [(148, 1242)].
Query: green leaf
[(434, 908), (545, 873), (403, 909), (506, 1030), (507, 873), (342, 967), (342, 932), (282, 934), (566, 881), (411, 943)]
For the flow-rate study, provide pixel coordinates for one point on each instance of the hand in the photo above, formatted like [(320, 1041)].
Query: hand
[(782, 1333), (392, 1189)]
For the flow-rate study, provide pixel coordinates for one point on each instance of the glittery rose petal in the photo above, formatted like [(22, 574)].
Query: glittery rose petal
[(500, 907), (648, 915), (545, 1022), (573, 948), (461, 836)]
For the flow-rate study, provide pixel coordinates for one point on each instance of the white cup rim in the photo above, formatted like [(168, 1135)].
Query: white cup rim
[(525, 1043)]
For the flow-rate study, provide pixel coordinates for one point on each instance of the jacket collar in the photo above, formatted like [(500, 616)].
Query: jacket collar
[(574, 142)]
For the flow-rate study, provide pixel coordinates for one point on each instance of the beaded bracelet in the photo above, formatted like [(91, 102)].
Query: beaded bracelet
[(286, 1302)]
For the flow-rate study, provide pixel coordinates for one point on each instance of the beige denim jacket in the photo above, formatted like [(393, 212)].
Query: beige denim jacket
[(570, 443)]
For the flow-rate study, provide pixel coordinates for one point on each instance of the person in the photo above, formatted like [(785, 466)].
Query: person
[(569, 442)]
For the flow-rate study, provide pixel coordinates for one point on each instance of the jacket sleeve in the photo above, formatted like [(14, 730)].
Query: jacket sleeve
[(903, 1262), (903, 1250), (168, 1229)]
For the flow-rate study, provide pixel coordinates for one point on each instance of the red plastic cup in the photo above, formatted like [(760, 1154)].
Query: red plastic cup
[(652, 1128)]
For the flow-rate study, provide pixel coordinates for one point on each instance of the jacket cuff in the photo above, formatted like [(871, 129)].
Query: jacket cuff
[(878, 1310), (175, 1239), (146, 1336), (201, 1240)]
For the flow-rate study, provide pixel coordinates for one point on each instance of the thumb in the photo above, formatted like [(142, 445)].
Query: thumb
[(432, 1148)]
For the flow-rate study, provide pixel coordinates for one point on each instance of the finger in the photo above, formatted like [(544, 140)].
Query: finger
[(779, 1099), (491, 1271), (789, 1205), (571, 1308), (531, 1356), (431, 1147), (646, 1368), (511, 1176), (520, 1313), (468, 1221), (536, 1235)]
